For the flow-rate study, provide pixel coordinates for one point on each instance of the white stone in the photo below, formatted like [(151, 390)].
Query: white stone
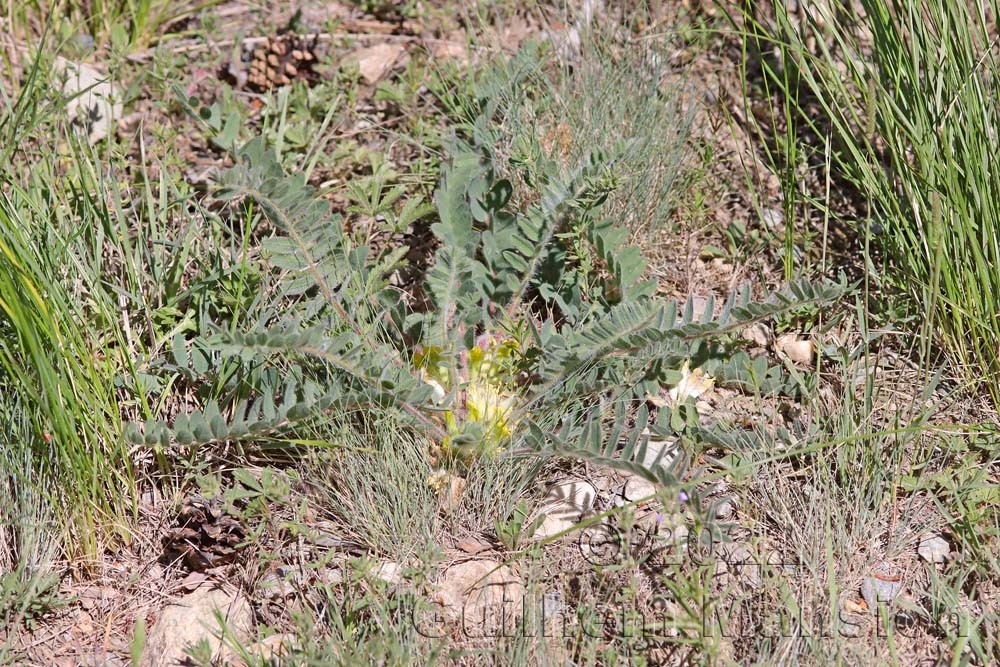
[(933, 548), (654, 448), (389, 572), (564, 505), (551, 526), (876, 589), (772, 218), (799, 350), (758, 333), (638, 488), (94, 105), (725, 509)]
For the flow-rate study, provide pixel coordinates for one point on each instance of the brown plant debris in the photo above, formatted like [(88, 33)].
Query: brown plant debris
[(204, 535)]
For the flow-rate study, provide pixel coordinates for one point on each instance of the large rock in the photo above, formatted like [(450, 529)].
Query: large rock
[(481, 597), (192, 618)]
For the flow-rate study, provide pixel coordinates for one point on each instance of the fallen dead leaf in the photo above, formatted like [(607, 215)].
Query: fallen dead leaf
[(855, 606), (193, 581), (473, 546), (374, 62)]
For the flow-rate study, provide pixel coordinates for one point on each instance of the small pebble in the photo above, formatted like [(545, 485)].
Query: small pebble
[(876, 589), (798, 350), (933, 548), (758, 334), (724, 509), (552, 604)]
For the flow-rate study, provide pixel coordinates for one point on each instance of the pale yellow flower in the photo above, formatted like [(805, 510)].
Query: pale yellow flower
[(692, 385)]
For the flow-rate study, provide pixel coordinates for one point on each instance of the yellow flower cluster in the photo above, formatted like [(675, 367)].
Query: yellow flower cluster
[(484, 400)]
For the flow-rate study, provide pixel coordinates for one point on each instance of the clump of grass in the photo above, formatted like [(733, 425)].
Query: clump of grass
[(495, 485), (865, 480), (907, 94), (123, 23), (26, 534), (60, 326), (613, 92), (49, 368), (30, 535), (375, 483)]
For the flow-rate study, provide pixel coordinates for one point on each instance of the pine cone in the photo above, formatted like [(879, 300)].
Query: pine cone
[(204, 535), (280, 59)]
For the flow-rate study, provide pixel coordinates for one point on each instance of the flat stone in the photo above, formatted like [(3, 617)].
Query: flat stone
[(552, 526), (280, 583), (94, 104), (637, 488), (454, 49), (759, 334), (725, 508), (601, 543), (331, 575), (799, 350), (772, 218), (933, 548), (375, 62), (564, 505), (883, 586), (654, 449), (389, 572)]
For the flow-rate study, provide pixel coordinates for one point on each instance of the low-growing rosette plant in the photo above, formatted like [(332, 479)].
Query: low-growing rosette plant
[(516, 347)]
